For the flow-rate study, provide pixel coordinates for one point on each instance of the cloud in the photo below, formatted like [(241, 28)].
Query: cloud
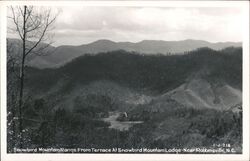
[(78, 25)]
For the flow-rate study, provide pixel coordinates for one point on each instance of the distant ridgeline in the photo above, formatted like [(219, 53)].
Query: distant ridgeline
[(61, 55), (156, 73)]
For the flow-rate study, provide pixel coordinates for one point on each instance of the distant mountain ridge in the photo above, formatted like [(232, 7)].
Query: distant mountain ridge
[(63, 54)]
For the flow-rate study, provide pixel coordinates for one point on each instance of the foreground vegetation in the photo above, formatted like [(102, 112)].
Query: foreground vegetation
[(174, 128)]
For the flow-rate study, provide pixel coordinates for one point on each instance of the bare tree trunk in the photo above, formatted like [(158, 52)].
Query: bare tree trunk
[(22, 78), (33, 27)]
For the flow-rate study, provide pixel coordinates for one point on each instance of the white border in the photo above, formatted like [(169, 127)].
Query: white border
[(149, 157)]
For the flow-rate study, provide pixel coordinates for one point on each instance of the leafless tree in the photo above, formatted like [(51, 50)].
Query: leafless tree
[(33, 26)]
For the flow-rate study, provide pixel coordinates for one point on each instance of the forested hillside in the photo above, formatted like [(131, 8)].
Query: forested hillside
[(157, 73)]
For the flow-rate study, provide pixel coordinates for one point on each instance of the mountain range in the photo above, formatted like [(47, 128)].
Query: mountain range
[(61, 55), (179, 100)]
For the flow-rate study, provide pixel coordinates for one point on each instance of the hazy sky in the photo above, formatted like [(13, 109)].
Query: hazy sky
[(79, 25)]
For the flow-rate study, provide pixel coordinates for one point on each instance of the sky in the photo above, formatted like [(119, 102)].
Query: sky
[(81, 25)]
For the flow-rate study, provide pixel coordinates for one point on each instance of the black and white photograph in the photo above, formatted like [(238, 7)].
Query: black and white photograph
[(125, 79)]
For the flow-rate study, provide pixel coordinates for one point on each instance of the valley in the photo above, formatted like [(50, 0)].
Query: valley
[(119, 125)]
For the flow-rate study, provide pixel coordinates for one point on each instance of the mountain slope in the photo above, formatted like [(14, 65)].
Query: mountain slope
[(199, 93)]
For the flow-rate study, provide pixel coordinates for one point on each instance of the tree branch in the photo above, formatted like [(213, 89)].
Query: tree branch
[(15, 20), (48, 23)]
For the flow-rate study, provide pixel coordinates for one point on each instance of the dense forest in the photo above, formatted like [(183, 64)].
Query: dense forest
[(165, 123)]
